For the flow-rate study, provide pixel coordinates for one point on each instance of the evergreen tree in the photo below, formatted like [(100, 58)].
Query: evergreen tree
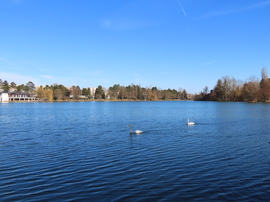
[(219, 91), (99, 94), (5, 85), (30, 87), (185, 94), (20, 88), (86, 92), (114, 91), (13, 85), (139, 93)]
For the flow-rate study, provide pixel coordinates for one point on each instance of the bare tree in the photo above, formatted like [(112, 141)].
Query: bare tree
[(58, 94), (250, 91), (264, 73), (122, 93), (253, 78), (75, 91), (205, 90)]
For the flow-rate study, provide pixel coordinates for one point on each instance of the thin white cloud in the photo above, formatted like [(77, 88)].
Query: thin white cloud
[(96, 52), (244, 9), (44, 69), (208, 63), (67, 81), (258, 5), (95, 73), (13, 1), (19, 79), (164, 73), (122, 24), (106, 23), (136, 74), (182, 8), (47, 77), (3, 59)]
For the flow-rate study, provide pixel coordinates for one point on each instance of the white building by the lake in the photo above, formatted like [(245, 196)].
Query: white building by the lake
[(4, 97)]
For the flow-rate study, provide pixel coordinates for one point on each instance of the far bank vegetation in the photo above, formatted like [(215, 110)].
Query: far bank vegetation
[(115, 93), (230, 89), (59, 92)]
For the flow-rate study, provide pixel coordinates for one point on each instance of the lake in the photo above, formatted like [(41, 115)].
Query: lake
[(83, 151)]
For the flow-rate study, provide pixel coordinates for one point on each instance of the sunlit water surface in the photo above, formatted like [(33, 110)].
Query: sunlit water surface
[(83, 151)]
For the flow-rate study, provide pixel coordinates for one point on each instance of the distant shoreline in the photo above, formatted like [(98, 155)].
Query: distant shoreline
[(98, 100)]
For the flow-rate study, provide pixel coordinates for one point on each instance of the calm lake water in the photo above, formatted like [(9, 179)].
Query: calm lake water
[(83, 151)]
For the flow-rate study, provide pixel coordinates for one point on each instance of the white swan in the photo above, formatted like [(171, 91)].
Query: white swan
[(190, 123), (136, 131)]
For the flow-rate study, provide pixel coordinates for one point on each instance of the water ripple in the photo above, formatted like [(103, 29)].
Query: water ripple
[(83, 151)]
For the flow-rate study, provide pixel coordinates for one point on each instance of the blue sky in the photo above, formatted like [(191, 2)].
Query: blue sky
[(163, 43)]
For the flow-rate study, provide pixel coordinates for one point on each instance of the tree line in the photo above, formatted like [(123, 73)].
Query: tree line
[(136, 92), (116, 92), (230, 89), (29, 87)]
